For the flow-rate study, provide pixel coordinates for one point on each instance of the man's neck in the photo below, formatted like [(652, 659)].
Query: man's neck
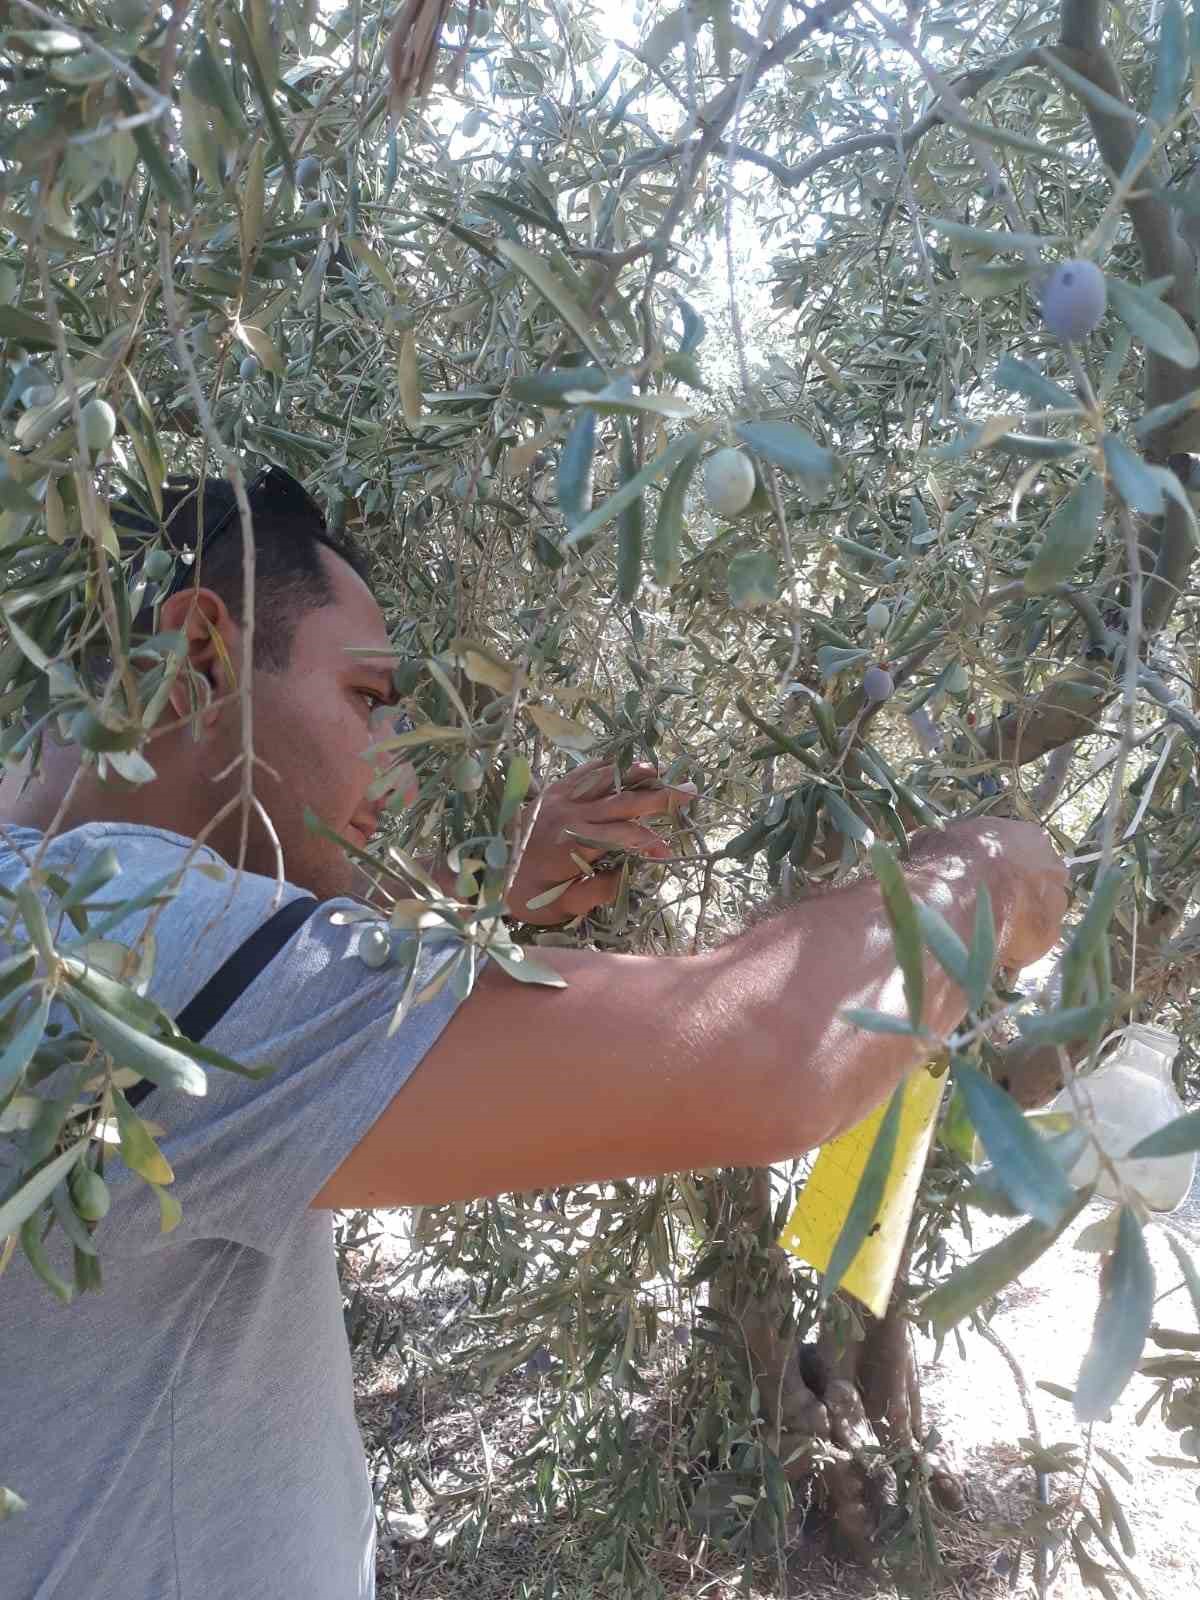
[(38, 801)]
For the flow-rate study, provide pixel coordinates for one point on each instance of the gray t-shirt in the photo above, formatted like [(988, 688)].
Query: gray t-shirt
[(188, 1432)]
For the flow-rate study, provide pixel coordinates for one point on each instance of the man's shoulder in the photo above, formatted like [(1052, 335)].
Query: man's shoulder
[(191, 866), (196, 907)]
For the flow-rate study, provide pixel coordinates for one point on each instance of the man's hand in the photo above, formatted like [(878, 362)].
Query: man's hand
[(1024, 873), (586, 816)]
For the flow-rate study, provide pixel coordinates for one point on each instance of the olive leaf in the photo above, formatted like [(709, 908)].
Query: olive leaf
[(668, 530), (1089, 934), (1019, 377), (552, 289), (792, 449), (1177, 1138), (575, 468), (687, 444), (560, 730), (868, 1197), (994, 1269), (1122, 1322), (629, 537), (408, 375), (22, 1205), (138, 1149), (753, 579), (1067, 535), (1033, 1179), (1134, 479), (1158, 325), (1171, 62), (906, 929)]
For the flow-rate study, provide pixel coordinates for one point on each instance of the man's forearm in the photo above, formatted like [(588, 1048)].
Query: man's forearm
[(792, 977)]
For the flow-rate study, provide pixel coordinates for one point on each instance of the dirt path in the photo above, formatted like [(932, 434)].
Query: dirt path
[(1046, 1321)]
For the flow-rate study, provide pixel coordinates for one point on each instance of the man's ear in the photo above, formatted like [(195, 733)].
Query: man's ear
[(213, 646)]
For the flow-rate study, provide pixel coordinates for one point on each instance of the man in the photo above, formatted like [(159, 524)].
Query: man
[(189, 1430)]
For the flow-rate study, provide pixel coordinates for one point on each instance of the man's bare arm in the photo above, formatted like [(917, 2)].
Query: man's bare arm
[(649, 1064)]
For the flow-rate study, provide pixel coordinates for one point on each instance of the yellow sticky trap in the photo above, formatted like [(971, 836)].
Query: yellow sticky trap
[(816, 1221)]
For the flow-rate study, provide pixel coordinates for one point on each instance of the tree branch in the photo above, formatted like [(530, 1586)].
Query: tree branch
[(1073, 699), (966, 88), (716, 118)]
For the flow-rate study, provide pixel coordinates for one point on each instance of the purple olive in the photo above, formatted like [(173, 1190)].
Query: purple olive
[(540, 1363), (877, 684), (1074, 299)]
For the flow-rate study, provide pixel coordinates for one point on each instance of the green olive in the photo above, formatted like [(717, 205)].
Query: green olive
[(158, 565), (374, 947), (90, 1195), (99, 425), (468, 775)]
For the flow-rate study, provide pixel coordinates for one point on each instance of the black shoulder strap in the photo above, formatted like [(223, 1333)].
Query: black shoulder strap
[(234, 976)]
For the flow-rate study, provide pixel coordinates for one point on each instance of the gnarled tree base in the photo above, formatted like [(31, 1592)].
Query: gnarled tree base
[(843, 1412)]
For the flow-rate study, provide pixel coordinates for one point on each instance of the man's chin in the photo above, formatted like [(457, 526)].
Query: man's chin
[(329, 876)]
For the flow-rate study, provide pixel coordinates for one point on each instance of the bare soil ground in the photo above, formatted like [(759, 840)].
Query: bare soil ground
[(1045, 1323)]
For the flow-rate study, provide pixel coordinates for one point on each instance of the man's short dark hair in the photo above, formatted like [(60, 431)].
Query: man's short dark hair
[(289, 534)]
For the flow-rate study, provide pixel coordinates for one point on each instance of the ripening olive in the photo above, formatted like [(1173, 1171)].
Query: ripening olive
[(958, 679), (158, 565), (99, 425), (374, 947), (877, 684), (468, 775), (728, 482), (89, 1194), (1074, 299), (308, 172)]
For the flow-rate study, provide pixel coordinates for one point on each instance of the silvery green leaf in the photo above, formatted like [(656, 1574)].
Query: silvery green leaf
[(1122, 1322), (1067, 535), (868, 1197), (30, 1196), (1134, 478), (1028, 1171), (791, 449), (1158, 325)]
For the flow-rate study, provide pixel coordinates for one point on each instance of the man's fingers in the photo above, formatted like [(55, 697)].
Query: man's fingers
[(649, 802), (605, 836), (587, 782), (600, 890), (595, 779)]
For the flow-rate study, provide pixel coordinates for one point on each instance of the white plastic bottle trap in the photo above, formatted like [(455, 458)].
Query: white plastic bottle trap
[(1130, 1095)]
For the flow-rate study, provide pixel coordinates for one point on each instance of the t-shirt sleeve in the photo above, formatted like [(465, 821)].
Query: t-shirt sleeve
[(250, 1155)]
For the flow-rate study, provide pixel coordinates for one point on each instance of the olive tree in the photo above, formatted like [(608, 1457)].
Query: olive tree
[(801, 397)]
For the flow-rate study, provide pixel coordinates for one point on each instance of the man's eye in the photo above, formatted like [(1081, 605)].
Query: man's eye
[(374, 701)]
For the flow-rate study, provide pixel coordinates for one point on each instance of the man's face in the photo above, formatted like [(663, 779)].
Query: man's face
[(312, 728)]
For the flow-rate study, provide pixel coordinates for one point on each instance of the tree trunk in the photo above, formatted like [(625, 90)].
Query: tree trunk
[(830, 1403)]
